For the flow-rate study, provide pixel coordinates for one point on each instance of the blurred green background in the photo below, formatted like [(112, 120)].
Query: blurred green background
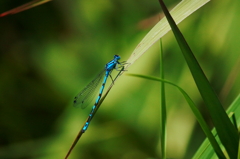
[(50, 52)]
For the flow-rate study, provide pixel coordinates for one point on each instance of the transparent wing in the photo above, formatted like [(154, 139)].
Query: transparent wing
[(85, 97)]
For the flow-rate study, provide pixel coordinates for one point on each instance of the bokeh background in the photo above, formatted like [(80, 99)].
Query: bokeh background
[(50, 52)]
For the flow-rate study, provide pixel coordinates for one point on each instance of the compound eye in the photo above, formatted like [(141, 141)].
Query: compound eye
[(117, 57)]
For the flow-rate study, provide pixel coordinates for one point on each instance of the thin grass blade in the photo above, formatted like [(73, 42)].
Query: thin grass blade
[(204, 149), (99, 104), (225, 129), (196, 112), (24, 7), (163, 107)]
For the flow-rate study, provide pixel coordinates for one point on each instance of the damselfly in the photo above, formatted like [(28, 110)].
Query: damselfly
[(83, 98)]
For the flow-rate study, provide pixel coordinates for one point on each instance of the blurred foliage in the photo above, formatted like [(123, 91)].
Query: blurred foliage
[(48, 53)]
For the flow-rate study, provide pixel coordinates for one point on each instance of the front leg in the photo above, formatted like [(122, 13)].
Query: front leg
[(120, 65)]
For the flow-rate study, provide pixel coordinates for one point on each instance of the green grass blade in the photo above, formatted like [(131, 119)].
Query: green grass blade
[(225, 129), (97, 106), (163, 107), (196, 112), (180, 12), (204, 149)]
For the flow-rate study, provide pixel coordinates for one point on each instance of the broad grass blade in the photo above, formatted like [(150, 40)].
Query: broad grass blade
[(226, 131)]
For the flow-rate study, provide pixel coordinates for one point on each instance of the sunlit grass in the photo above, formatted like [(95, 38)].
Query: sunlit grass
[(226, 132), (52, 51)]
